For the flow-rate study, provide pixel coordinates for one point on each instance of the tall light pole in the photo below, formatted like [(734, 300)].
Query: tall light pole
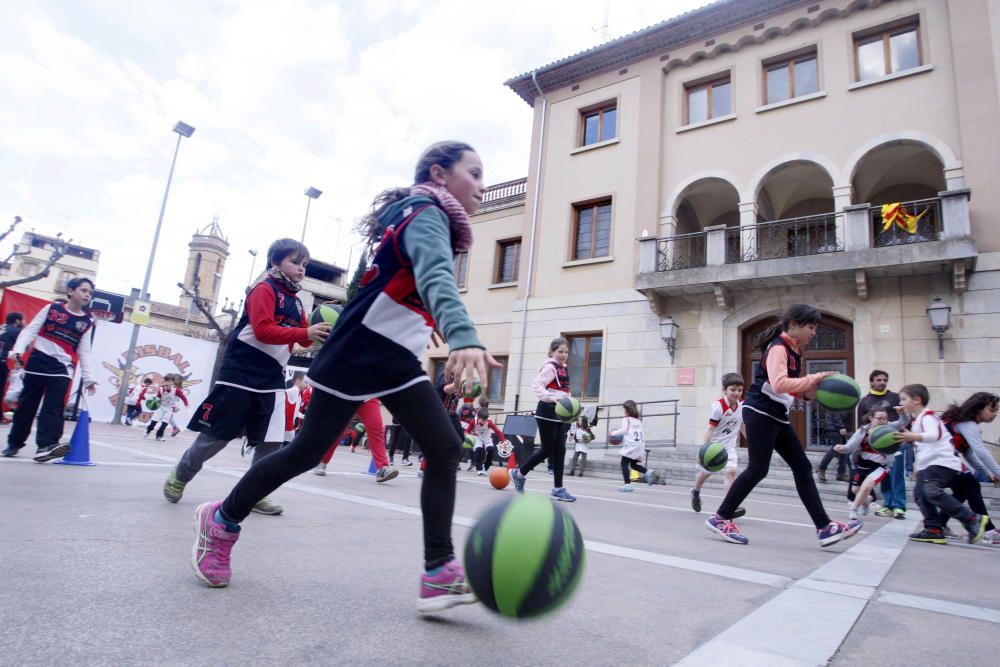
[(253, 253), (310, 193), (183, 130)]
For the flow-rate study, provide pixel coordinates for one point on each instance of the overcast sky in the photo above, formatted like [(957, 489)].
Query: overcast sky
[(284, 95)]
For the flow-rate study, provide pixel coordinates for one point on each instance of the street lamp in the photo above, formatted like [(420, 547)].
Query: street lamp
[(310, 193), (253, 253), (939, 315), (183, 130), (668, 332)]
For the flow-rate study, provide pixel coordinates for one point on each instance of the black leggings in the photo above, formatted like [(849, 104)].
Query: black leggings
[(553, 437), (634, 465), (484, 457), (419, 411), (765, 436), (400, 440), (966, 488)]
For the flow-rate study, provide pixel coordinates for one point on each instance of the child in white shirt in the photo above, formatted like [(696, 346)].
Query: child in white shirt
[(633, 446), (725, 424)]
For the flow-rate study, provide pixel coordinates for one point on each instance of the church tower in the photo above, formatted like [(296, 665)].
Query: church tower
[(206, 264)]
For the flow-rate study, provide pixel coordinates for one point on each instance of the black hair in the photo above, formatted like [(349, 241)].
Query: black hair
[(482, 413), (298, 375), (13, 317), (76, 282), (631, 409), (556, 343), (970, 407), (917, 391), (873, 411), (444, 154), (732, 380), (282, 248), (875, 373), (147, 380), (799, 313)]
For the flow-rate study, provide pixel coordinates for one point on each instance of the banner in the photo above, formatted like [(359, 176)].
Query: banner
[(19, 302), (157, 353)]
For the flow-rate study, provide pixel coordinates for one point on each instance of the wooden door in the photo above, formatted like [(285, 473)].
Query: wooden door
[(831, 349)]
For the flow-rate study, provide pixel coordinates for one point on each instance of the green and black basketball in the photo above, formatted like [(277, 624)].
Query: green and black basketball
[(713, 456), (838, 392), (469, 442), (327, 312), (153, 403), (472, 388), (883, 439), (524, 557), (586, 437), (359, 428), (568, 409)]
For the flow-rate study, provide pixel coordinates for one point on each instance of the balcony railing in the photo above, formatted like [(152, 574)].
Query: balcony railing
[(928, 228), (795, 237), (506, 190), (684, 251)]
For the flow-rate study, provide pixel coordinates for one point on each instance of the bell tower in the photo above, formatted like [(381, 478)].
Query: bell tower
[(206, 264)]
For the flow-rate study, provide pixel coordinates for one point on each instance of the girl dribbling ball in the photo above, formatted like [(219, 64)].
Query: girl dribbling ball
[(408, 288)]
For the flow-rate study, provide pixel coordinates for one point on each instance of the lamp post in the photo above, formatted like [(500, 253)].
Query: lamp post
[(668, 332), (183, 130), (310, 193), (253, 253), (939, 314)]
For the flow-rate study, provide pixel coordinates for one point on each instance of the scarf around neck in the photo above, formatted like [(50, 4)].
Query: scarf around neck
[(458, 219), (283, 280)]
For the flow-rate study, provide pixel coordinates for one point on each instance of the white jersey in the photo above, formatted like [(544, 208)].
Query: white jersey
[(727, 421), (935, 449), (634, 444)]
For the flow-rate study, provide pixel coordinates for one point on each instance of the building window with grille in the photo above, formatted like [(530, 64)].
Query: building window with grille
[(887, 52), (508, 260), (592, 230), (585, 351), (705, 101), (788, 78), (461, 269), (498, 381), (600, 124)]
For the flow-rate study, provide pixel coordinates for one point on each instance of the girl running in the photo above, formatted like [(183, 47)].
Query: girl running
[(633, 446), (963, 422), (408, 291), (551, 384), (777, 383)]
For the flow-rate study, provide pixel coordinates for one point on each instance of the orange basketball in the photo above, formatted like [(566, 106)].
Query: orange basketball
[(499, 478)]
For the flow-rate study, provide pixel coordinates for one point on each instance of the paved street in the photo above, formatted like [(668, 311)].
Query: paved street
[(96, 571)]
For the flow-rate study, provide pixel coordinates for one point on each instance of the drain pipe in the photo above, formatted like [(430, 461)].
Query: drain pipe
[(531, 248)]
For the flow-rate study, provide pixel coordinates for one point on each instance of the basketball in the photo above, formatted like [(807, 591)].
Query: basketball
[(472, 388), (326, 312), (524, 557), (616, 439), (153, 403), (499, 478), (713, 456), (568, 409), (469, 442), (586, 437), (359, 428), (838, 392), (882, 439)]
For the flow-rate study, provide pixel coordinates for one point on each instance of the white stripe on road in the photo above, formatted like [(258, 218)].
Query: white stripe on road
[(806, 623), (714, 569), (941, 606)]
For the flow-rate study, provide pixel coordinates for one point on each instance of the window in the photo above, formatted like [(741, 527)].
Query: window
[(791, 77), (498, 381), (461, 269), (887, 52), (63, 282), (437, 367), (508, 260), (592, 233), (585, 365), (709, 100), (598, 125)]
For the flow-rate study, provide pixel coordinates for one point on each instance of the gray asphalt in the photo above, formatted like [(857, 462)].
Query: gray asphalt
[(97, 571)]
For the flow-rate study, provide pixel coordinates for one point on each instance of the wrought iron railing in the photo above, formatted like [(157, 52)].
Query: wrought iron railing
[(897, 232), (684, 251), (794, 237)]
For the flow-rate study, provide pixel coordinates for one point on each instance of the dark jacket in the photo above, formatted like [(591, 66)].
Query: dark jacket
[(889, 400)]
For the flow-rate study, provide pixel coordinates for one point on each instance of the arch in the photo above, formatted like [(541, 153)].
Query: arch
[(900, 169), (832, 170), (707, 202), (941, 149), (793, 189), (675, 197)]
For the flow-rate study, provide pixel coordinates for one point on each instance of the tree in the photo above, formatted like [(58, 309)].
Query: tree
[(355, 284), (60, 247)]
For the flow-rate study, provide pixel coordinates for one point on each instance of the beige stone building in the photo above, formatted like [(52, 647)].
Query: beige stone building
[(709, 170), (32, 253)]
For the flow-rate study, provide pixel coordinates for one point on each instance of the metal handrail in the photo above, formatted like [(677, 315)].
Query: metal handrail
[(929, 227), (682, 251), (790, 237)]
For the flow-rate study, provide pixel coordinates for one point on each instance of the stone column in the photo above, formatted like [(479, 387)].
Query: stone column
[(857, 227), (715, 245), (748, 232), (647, 254), (955, 214), (841, 200)]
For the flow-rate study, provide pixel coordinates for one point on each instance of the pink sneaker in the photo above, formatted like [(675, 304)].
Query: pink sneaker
[(212, 544), (445, 589)]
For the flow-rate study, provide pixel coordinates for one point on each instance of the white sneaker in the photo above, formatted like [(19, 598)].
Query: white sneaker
[(625, 488), (405, 462), (480, 473), (991, 537), (320, 469), (852, 514)]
